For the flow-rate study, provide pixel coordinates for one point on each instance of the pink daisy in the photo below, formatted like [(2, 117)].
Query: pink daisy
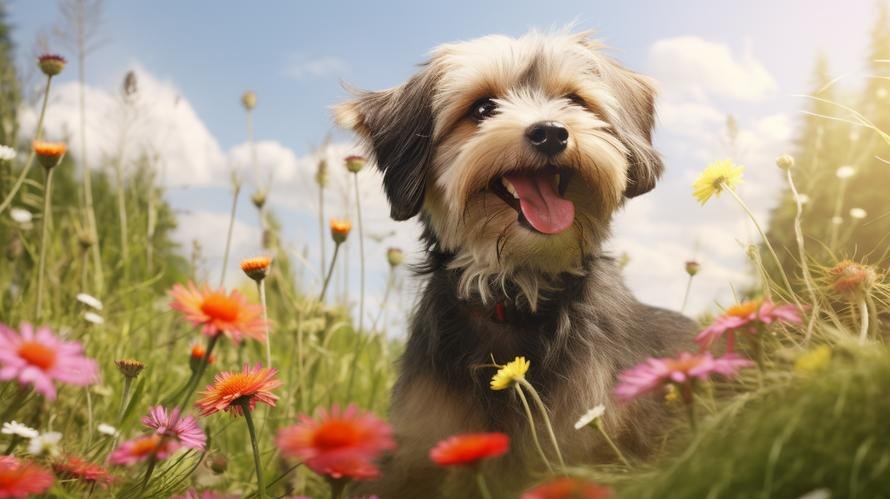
[(656, 372), (141, 448), (183, 428), (230, 389), (217, 312), (746, 316), (38, 358)]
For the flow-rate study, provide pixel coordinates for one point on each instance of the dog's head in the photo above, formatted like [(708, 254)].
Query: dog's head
[(517, 150)]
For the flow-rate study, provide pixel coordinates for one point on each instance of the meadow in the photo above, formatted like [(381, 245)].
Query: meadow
[(125, 372)]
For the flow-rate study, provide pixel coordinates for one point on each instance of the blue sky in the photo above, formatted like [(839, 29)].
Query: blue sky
[(712, 58)]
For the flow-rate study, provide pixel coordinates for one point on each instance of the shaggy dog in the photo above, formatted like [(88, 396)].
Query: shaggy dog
[(515, 153)]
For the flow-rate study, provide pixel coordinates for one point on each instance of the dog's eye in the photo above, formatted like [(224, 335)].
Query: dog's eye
[(483, 108), (576, 99)]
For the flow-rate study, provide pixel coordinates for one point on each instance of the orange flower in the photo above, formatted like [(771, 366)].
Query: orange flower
[(230, 390), (49, 153), (852, 280), (20, 478), (197, 355), (340, 229), (217, 312), (568, 488), (256, 267), (51, 64), (80, 469), (469, 448)]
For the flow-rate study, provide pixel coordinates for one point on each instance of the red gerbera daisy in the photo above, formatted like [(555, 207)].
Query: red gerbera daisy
[(22, 478), (229, 390), (74, 467), (568, 488), (219, 313), (469, 448)]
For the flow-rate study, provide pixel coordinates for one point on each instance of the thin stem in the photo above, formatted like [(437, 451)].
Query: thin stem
[(532, 429), (128, 382), (38, 133), (327, 279), (863, 325), (149, 470), (16, 403), (544, 414), (802, 254), (261, 289), (261, 488), (389, 285), (44, 239), (361, 250), (321, 227), (211, 344), (236, 190), (483, 487), (689, 402), (615, 449), (686, 294), (99, 280), (838, 207)]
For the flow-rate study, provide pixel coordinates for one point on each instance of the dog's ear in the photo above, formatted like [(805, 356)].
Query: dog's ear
[(396, 126)]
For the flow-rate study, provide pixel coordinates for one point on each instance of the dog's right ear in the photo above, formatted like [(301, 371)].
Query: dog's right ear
[(397, 127)]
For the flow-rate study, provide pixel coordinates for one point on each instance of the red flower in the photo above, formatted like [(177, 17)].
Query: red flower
[(469, 448), (229, 390), (568, 488), (22, 478), (80, 469), (219, 313)]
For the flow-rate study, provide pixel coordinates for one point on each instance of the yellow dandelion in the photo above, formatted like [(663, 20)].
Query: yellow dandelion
[(510, 373), (718, 176)]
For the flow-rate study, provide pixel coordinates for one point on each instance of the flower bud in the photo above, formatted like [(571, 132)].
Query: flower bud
[(340, 230), (130, 368), (49, 154), (395, 257), (51, 64), (785, 161), (355, 163), (248, 100), (692, 267)]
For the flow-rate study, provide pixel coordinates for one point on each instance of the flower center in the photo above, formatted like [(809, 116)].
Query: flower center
[(743, 309), (335, 435), (37, 354), (684, 364), (220, 307), (146, 445)]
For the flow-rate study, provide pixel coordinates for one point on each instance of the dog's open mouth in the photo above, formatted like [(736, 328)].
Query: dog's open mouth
[(537, 196)]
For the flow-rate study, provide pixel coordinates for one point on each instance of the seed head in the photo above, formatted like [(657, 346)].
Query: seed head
[(130, 368)]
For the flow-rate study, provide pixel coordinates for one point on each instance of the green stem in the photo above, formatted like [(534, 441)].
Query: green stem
[(16, 403), (38, 133), (235, 192), (802, 254), (483, 487), (202, 367), (532, 429), (149, 470), (338, 487), (261, 290), (261, 488), (389, 285), (321, 228), (689, 402), (44, 239), (686, 294), (128, 382), (327, 279), (544, 414), (615, 449), (361, 250)]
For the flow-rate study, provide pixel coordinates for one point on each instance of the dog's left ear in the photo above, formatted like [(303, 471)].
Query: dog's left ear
[(396, 126)]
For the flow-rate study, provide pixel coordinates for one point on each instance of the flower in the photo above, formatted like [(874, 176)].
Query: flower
[(183, 428), (21, 216), (568, 488), (852, 280), (395, 257), (785, 161), (45, 444), (219, 313), (89, 300), (141, 448), (130, 368), (746, 316), (49, 153), (230, 390), (74, 467), (845, 172), (256, 267), (258, 198), (340, 230), (858, 213), (248, 100), (718, 176), (813, 361), (469, 448), (590, 416), (107, 429), (38, 358), (93, 318), (321, 173), (692, 267), (51, 64), (7, 153), (354, 163), (656, 372), (19, 478), (338, 443), (197, 356), (19, 430), (510, 373)]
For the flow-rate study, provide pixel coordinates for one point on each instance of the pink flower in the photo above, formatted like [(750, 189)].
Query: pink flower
[(746, 316), (39, 358), (656, 372), (141, 448), (183, 428)]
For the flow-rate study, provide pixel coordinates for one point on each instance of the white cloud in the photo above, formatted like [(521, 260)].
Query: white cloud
[(209, 228), (301, 67), (696, 67)]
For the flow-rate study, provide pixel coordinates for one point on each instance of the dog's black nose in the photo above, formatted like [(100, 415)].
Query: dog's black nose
[(548, 137)]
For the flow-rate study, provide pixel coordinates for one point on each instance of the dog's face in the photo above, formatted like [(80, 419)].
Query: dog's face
[(517, 150)]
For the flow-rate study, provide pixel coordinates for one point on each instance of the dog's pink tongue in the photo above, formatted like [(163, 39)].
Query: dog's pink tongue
[(542, 206)]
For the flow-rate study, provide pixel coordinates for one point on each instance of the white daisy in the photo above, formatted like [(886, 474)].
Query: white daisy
[(107, 429), (45, 444), (19, 430), (93, 318), (89, 300), (858, 213), (845, 172), (20, 215), (7, 153), (590, 416)]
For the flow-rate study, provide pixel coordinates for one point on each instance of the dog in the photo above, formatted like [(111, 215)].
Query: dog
[(515, 153)]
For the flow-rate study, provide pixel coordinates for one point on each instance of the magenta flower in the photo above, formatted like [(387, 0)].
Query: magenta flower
[(683, 370), (38, 358), (183, 428), (746, 316), (142, 448)]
